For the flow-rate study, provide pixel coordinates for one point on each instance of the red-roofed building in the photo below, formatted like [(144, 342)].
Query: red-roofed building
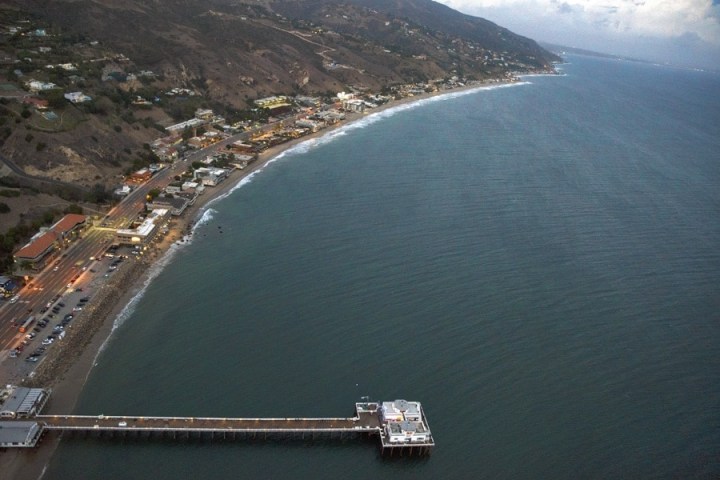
[(39, 103), (42, 247), (141, 176), (38, 250), (70, 223)]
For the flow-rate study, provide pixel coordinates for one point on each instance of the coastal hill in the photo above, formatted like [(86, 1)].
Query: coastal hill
[(137, 66), (240, 50)]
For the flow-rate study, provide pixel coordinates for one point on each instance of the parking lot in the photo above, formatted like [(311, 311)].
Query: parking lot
[(59, 316)]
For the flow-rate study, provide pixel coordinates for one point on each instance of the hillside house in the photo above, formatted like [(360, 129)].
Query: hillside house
[(77, 97)]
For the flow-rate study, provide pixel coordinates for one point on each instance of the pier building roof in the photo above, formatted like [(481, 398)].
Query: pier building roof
[(19, 434)]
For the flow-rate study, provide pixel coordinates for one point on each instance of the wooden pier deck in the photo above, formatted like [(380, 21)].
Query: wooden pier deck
[(396, 437), (364, 423)]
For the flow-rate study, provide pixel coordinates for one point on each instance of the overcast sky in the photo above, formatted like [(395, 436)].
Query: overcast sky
[(683, 32)]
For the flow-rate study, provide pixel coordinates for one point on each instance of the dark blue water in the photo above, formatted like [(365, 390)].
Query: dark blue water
[(537, 264)]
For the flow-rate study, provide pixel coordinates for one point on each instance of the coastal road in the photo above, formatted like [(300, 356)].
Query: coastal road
[(59, 278)]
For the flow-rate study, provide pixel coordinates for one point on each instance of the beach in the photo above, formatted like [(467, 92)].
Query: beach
[(67, 368)]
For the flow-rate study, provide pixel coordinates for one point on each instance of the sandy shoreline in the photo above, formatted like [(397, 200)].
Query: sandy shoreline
[(67, 370)]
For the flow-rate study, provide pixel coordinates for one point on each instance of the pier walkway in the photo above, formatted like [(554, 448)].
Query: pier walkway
[(364, 423), (400, 425)]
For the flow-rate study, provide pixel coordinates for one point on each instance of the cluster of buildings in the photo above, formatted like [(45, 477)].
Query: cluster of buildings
[(403, 423), (20, 404)]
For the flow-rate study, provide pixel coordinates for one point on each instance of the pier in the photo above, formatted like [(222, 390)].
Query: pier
[(400, 426)]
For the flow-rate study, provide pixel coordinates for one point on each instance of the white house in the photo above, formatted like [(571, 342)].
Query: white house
[(77, 97), (38, 86)]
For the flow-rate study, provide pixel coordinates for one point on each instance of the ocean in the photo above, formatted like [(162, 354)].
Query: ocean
[(538, 264)]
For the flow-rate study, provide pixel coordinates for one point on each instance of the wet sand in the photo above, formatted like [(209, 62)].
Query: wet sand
[(68, 366)]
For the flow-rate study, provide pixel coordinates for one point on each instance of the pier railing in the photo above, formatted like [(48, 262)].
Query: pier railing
[(367, 422)]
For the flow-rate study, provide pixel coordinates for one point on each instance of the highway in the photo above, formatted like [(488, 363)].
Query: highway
[(71, 268)]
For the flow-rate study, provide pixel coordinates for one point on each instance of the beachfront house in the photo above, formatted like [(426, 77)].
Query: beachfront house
[(210, 176)]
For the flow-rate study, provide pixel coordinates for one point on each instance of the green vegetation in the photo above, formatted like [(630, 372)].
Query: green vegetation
[(152, 194), (4, 207), (20, 234)]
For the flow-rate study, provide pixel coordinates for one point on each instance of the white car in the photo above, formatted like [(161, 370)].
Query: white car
[(15, 299)]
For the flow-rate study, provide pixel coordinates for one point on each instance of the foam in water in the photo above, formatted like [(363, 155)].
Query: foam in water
[(206, 214)]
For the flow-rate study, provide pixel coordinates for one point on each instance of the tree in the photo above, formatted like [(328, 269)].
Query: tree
[(4, 208), (55, 98), (74, 208), (152, 194)]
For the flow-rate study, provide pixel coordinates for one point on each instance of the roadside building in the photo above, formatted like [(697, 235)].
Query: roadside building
[(123, 191), (276, 105), (140, 176), (143, 232), (39, 250), (69, 226), (175, 204), (242, 147), (187, 124), (204, 114), (8, 286), (45, 244)]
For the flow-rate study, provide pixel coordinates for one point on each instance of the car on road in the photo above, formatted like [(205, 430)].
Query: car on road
[(50, 339), (15, 299), (31, 358)]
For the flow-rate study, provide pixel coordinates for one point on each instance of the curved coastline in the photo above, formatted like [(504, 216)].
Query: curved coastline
[(70, 377)]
